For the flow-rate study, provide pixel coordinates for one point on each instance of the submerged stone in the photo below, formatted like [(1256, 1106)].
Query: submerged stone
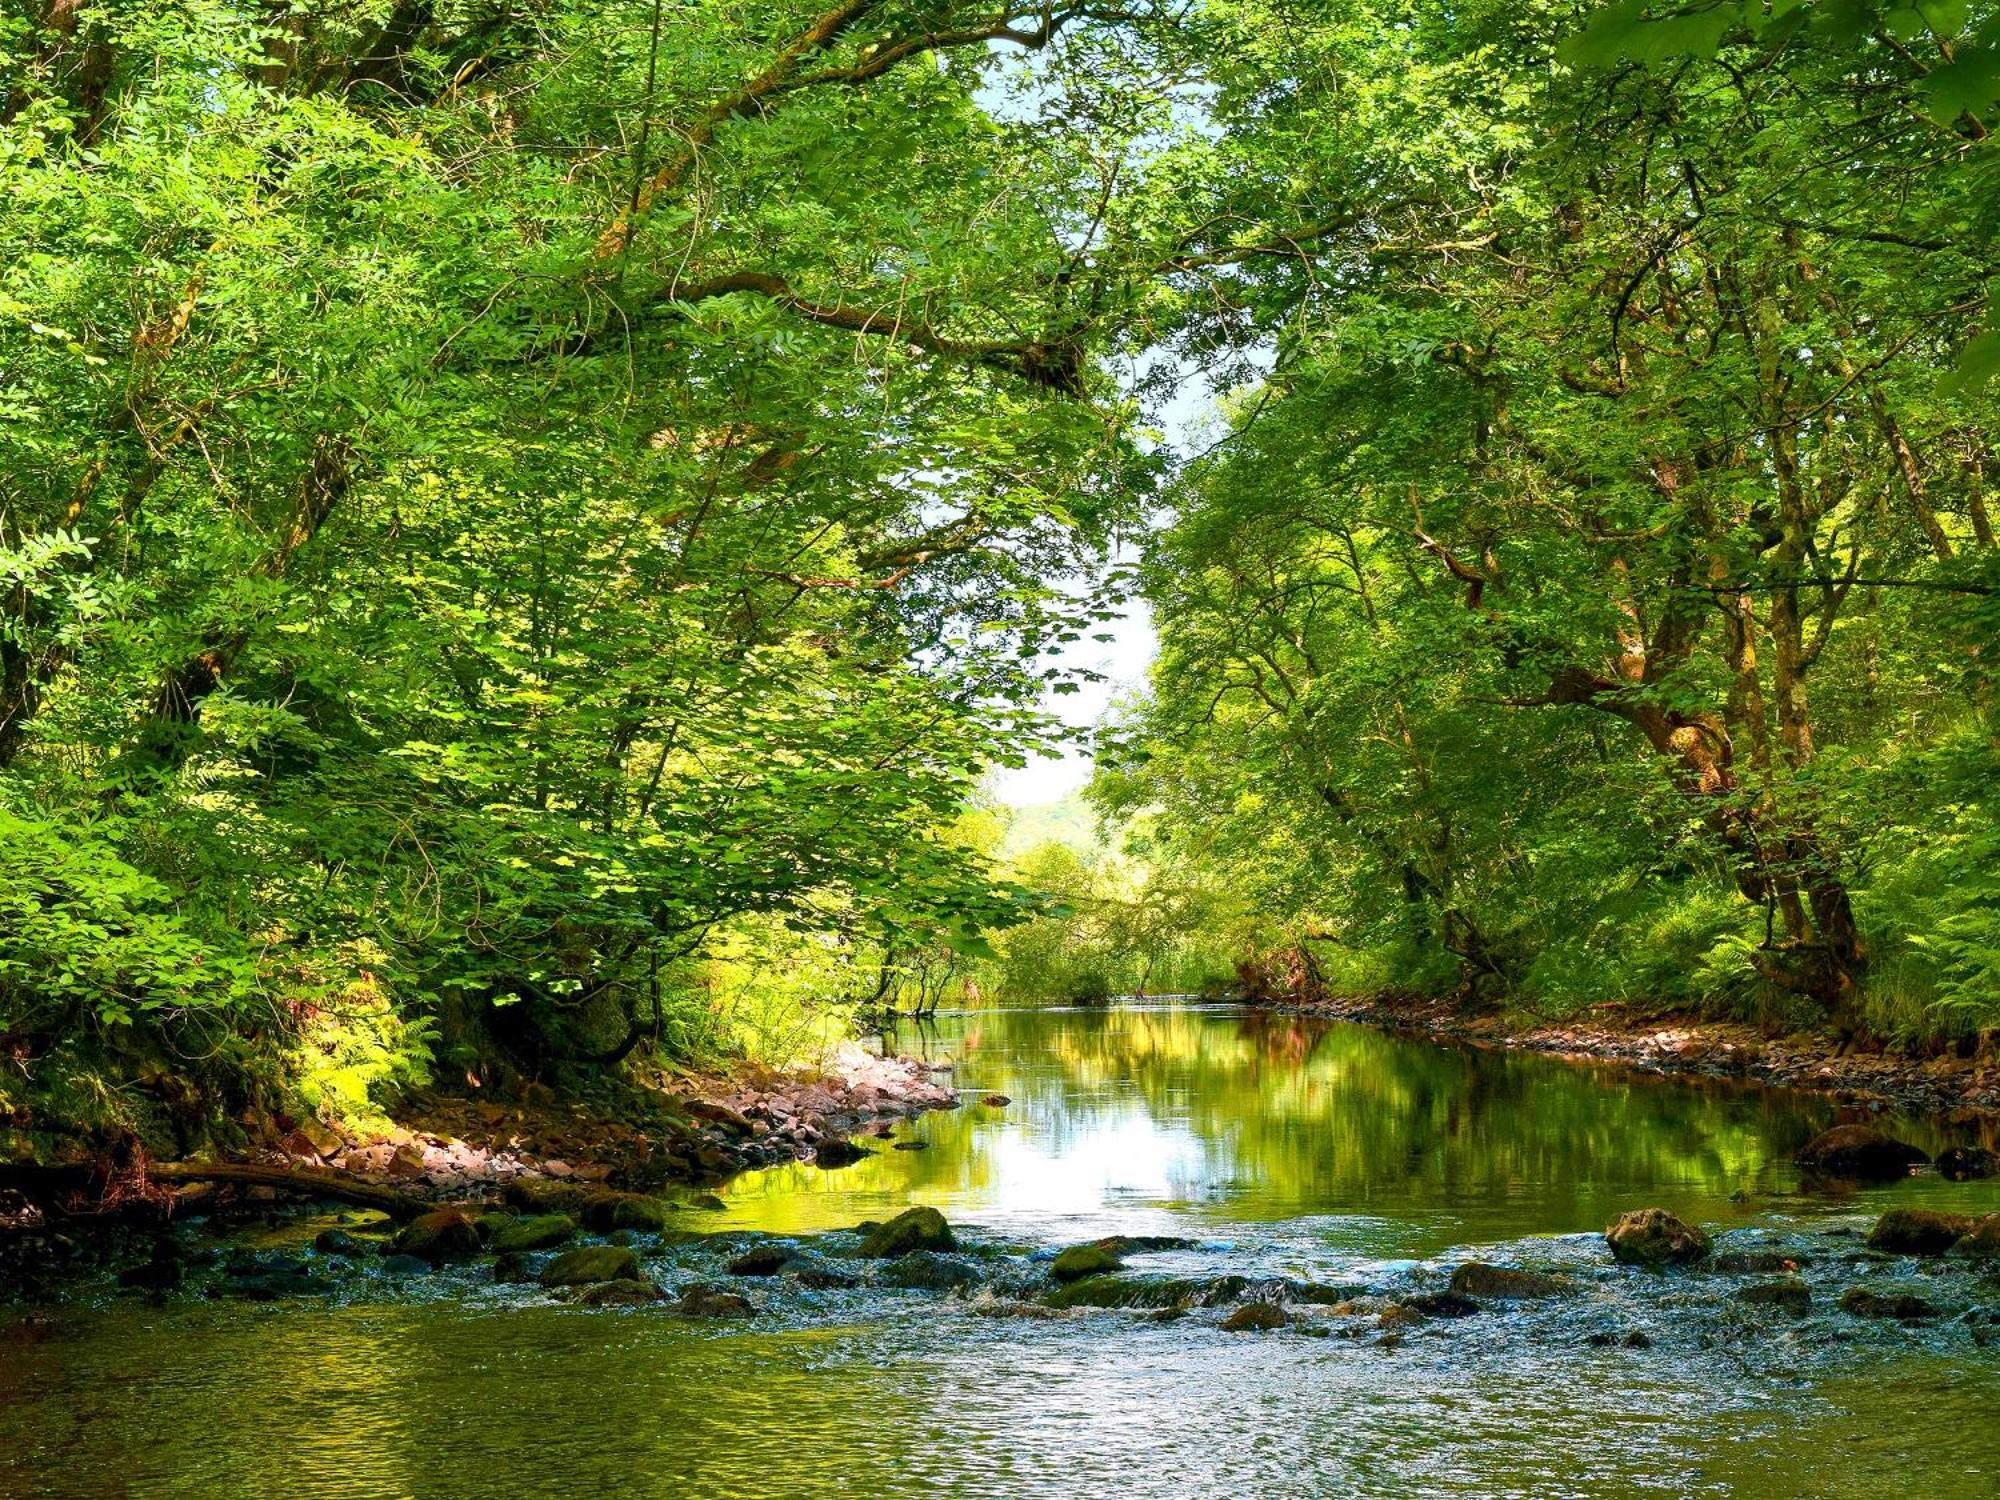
[(340, 1242), (1918, 1231), (1653, 1237), (925, 1270), (1906, 1306), (1790, 1293), (591, 1263), (1478, 1279), (912, 1229), (1127, 1291), (712, 1302), (1859, 1151)]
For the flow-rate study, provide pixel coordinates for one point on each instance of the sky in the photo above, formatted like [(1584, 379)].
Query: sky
[(1124, 660)]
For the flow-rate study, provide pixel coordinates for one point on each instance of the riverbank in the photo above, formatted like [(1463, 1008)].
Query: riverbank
[(1870, 1078), (688, 1131)]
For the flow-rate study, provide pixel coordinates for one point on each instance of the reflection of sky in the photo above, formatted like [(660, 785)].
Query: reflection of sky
[(1131, 1156)]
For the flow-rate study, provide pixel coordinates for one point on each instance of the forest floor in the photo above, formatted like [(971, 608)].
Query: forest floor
[(1867, 1074)]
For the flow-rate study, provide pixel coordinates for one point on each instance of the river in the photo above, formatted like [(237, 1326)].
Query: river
[(1283, 1146)]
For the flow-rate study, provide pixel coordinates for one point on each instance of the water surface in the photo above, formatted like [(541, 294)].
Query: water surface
[(1284, 1146)]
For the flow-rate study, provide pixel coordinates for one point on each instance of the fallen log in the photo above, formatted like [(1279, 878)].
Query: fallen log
[(320, 1182)]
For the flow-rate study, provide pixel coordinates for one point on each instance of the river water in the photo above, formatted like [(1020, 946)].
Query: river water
[(1282, 1146)]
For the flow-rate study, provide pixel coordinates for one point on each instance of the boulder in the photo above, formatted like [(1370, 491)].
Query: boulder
[(1964, 1163), (619, 1293), (1256, 1317), (1982, 1241), (439, 1236), (1747, 1262), (912, 1229), (543, 1232), (1478, 1279), (1653, 1237), (1905, 1306), (712, 1302), (511, 1266), (634, 1211), (1128, 1291), (1859, 1151), (1918, 1231), (1440, 1305), (1788, 1292), (763, 1260), (1080, 1261), (591, 1263), (925, 1270), (490, 1224)]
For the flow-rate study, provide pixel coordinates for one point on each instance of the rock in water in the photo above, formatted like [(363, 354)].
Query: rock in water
[(1790, 1293), (340, 1242), (591, 1263), (445, 1234), (1654, 1237), (1906, 1306), (912, 1229), (1080, 1261), (1256, 1317), (763, 1260), (1477, 1279), (838, 1153), (1441, 1305), (1918, 1231), (1963, 1163), (1861, 1152), (712, 1302), (1982, 1241), (543, 1232), (619, 1294)]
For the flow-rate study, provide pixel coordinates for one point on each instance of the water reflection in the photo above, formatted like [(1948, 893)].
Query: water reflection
[(1122, 1117)]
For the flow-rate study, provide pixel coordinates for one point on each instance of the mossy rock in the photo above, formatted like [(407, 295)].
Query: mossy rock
[(621, 1293), (926, 1270), (1440, 1305), (1127, 1291), (340, 1242), (713, 1302), (445, 1234), (543, 1232), (1982, 1241), (912, 1229), (1478, 1279), (591, 1263), (1080, 1261), (1918, 1231), (491, 1224)]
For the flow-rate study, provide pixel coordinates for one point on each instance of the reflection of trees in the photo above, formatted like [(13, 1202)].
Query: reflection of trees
[(1315, 1113)]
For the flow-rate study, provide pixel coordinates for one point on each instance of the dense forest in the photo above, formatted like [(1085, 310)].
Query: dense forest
[(524, 525)]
